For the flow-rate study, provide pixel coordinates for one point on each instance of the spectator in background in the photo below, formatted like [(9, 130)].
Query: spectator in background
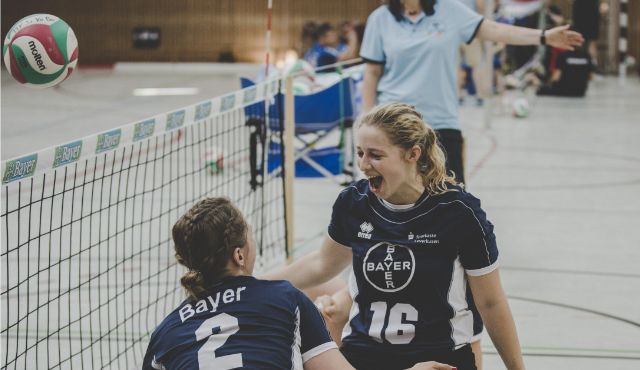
[(331, 50), (586, 20), (310, 44), (571, 75), (329, 45), (472, 56)]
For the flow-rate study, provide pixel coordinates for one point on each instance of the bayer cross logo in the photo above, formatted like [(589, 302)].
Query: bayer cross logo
[(365, 230), (389, 267)]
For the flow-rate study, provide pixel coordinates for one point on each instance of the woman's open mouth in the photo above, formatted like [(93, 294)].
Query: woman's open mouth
[(374, 183)]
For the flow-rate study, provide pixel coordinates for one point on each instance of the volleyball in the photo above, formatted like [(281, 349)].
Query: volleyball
[(520, 108), (40, 51)]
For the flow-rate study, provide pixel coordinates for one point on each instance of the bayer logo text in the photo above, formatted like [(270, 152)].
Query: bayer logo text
[(389, 267)]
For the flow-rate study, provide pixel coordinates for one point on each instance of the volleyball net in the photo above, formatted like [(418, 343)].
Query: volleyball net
[(87, 258)]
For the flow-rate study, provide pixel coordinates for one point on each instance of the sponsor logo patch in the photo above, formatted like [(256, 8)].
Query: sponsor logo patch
[(365, 230), (19, 168), (175, 120), (203, 110), (108, 140), (389, 267), (67, 153), (144, 129), (227, 102), (249, 95)]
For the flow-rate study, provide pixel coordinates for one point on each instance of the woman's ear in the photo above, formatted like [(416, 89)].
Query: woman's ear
[(238, 256), (413, 154)]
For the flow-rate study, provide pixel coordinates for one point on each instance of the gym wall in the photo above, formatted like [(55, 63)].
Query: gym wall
[(191, 30), (204, 30)]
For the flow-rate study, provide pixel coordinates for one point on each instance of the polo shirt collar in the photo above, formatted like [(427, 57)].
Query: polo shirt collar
[(420, 17)]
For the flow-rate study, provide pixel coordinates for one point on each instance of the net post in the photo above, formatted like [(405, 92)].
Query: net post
[(622, 41), (289, 162)]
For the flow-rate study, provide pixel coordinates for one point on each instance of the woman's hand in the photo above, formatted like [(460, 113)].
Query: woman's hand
[(563, 38), (335, 308), (431, 365)]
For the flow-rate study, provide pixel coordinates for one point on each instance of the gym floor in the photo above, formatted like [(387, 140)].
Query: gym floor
[(561, 187)]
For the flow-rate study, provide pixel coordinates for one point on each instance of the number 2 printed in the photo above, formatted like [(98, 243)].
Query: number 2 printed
[(207, 359)]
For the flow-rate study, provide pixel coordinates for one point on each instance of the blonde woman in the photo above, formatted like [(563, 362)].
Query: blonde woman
[(413, 236)]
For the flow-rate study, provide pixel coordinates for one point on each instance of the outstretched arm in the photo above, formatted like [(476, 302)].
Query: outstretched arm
[(372, 74), (494, 309), (316, 267), (559, 37)]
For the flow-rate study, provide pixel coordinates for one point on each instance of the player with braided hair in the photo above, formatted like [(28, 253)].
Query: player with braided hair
[(232, 320)]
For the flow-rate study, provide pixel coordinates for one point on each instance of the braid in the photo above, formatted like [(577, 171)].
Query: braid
[(204, 240)]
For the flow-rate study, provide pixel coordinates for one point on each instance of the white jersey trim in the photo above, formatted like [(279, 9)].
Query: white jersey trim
[(415, 205), (396, 207), (476, 337), (157, 365), (313, 352), (462, 321), (296, 358), (354, 311), (484, 270)]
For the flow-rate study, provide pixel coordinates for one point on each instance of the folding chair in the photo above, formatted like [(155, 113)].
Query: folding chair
[(319, 153)]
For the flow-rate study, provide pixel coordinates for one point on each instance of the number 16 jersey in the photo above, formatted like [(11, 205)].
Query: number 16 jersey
[(409, 266)]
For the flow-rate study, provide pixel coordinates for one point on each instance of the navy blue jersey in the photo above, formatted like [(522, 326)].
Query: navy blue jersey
[(244, 323), (409, 265)]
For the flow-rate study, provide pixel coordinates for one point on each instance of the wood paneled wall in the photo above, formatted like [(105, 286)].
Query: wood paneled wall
[(192, 30), (199, 30)]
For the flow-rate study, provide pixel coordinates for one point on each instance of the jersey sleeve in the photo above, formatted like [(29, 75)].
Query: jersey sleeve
[(314, 335), (150, 362), (477, 244), (336, 229), (468, 21), (372, 49)]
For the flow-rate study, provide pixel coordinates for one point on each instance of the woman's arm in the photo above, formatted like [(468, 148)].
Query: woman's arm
[(559, 37), (316, 267), (353, 47), (480, 6), (494, 309), (372, 74), (331, 359), (335, 309)]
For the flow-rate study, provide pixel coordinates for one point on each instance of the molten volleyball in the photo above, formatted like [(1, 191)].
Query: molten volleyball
[(40, 50)]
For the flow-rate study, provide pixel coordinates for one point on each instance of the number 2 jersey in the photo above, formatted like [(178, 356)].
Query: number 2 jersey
[(244, 323), (409, 265)]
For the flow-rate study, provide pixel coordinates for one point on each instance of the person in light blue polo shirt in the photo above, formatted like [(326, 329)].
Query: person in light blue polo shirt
[(411, 48)]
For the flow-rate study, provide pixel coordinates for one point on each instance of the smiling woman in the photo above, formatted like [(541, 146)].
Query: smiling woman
[(415, 238), (398, 151)]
